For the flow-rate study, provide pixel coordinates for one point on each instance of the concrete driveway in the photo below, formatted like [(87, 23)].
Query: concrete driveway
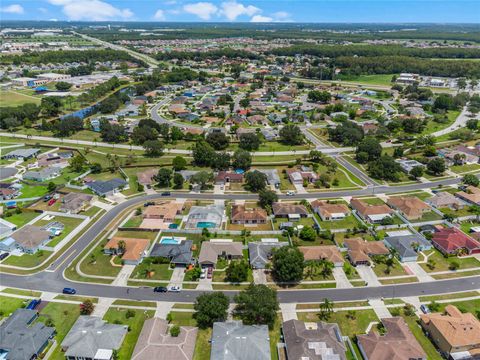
[(177, 276), (368, 275), (341, 278)]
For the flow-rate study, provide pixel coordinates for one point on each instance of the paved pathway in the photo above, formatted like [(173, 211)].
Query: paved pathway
[(368, 275), (123, 275), (421, 274), (163, 308), (102, 205), (259, 276), (289, 311), (341, 278), (177, 276), (102, 306), (415, 301), (204, 284), (380, 308)]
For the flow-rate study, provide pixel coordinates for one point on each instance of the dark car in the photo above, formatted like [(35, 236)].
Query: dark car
[(160, 289), (149, 203), (4, 255), (70, 291), (166, 193), (46, 198)]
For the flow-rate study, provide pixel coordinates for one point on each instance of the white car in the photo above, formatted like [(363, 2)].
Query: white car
[(290, 193), (174, 289)]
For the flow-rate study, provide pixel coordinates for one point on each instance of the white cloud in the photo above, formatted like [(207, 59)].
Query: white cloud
[(261, 18), (232, 10), (281, 15), (204, 10), (12, 9), (159, 15), (94, 10)]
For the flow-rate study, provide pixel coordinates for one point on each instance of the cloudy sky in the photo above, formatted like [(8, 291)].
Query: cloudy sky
[(439, 11)]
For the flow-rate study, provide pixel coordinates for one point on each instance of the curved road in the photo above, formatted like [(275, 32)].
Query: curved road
[(52, 279)]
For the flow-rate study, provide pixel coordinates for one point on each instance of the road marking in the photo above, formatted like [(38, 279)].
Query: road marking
[(66, 258)]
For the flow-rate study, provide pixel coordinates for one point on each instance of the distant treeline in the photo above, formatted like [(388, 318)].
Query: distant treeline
[(214, 54), (58, 56)]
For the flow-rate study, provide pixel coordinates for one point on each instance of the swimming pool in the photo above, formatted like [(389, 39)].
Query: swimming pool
[(169, 241), (206, 224)]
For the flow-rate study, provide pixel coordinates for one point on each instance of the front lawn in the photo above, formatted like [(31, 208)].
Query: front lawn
[(442, 263), (98, 263), (27, 260), (157, 271), (380, 269), (8, 305), (117, 315)]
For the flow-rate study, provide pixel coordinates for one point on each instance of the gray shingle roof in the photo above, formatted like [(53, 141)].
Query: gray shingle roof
[(177, 253), (21, 340), (232, 340), (22, 153), (259, 252), (404, 244), (104, 187)]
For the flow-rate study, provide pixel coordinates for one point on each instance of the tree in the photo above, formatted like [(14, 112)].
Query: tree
[(202, 178), (249, 142), (291, 135), (319, 96), (175, 331), (326, 309), (121, 246), (434, 306), (210, 308), (347, 133), (454, 265), (218, 140), (87, 307), (221, 161), (288, 264), (63, 86), (163, 177), (51, 105), (369, 146), (241, 159), (308, 234), (470, 179), (178, 181), (203, 153), (472, 124), (416, 172), (257, 304), (77, 163), (179, 163), (436, 166), (237, 271), (51, 186), (256, 181), (384, 168), (267, 198), (153, 148)]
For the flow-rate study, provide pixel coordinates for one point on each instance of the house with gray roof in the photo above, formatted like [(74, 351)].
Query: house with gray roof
[(231, 340), (187, 174), (261, 252), (272, 176), (407, 246), (93, 338), (30, 238), (23, 154), (210, 216), (313, 341), (179, 254), (109, 187), (23, 339), (43, 174)]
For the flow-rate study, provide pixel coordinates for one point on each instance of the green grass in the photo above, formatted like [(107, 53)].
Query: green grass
[(12, 98), (202, 345), (380, 79), (161, 271), (30, 293), (456, 275), (100, 264), (349, 222), (135, 324), (8, 305), (135, 303), (76, 298), (442, 263), (183, 318), (450, 296), (69, 223), (27, 260), (465, 168), (470, 306), (31, 191), (22, 218), (134, 221), (182, 306), (396, 270), (405, 280), (433, 126)]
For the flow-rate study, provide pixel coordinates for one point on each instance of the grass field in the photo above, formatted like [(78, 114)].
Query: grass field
[(27, 260), (381, 79), (11, 98), (22, 218), (442, 263), (8, 305)]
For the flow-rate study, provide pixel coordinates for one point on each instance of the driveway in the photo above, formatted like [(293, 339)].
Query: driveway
[(177, 276), (341, 278), (421, 274), (259, 276), (300, 189), (123, 275), (368, 275)]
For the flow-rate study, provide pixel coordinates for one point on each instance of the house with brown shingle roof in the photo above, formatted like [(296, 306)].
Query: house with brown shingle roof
[(329, 253), (410, 207), (472, 195), (398, 343), (224, 177), (288, 209), (452, 331), (215, 248), (165, 211), (446, 200), (241, 215), (328, 211), (372, 213), (134, 252), (359, 250)]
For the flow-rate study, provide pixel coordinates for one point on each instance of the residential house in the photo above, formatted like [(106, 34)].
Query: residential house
[(73, 203), (93, 338), (224, 177), (301, 175), (407, 165), (187, 174), (313, 341), (132, 253), (30, 238), (242, 215), (146, 178), (8, 193), (23, 154), (371, 213), (179, 254), (456, 334), (407, 247), (109, 187), (210, 216), (446, 200), (471, 196), (359, 250), (21, 337), (398, 342), (330, 211), (155, 342), (160, 215), (260, 252), (410, 207), (450, 241), (59, 160), (329, 253), (231, 340), (6, 229), (213, 249), (273, 179), (461, 155), (289, 210), (43, 174)]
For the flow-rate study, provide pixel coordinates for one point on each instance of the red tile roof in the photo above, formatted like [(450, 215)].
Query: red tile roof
[(452, 239)]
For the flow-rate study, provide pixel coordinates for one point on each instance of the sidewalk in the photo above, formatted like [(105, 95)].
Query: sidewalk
[(421, 274)]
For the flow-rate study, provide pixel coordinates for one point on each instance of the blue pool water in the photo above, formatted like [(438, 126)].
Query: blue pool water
[(169, 241), (206, 224)]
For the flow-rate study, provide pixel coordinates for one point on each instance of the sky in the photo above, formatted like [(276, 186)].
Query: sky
[(316, 11)]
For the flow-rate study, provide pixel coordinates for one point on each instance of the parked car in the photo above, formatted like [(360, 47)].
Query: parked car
[(290, 193), (424, 309), (4, 256), (160, 289), (70, 291), (174, 289), (209, 273), (46, 198), (52, 201), (166, 193), (149, 203)]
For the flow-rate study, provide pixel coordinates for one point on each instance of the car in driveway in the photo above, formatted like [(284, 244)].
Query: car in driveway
[(161, 289), (174, 289), (4, 256), (209, 273), (69, 291), (424, 309)]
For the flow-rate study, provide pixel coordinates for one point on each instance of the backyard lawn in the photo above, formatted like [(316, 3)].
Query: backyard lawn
[(442, 263), (135, 324), (22, 218), (31, 191), (349, 222), (69, 223)]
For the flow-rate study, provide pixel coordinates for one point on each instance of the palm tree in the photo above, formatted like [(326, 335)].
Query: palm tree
[(327, 268), (121, 246), (326, 308)]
